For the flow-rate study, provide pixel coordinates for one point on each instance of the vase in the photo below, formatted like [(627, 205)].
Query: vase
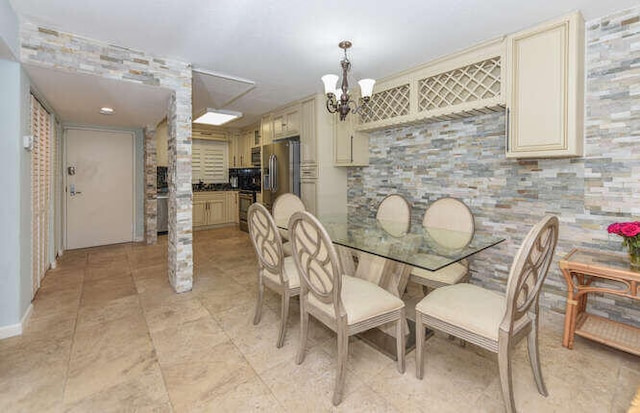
[(634, 257)]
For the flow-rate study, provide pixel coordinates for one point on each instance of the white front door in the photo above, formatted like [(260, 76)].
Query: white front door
[(99, 189)]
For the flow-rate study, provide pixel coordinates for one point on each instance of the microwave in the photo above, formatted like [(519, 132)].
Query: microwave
[(255, 156)]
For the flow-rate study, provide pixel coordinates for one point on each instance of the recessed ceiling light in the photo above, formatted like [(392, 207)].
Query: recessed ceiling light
[(217, 117), (107, 111)]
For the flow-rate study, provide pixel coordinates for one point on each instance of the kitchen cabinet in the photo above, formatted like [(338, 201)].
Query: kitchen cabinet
[(240, 145), (545, 83), (199, 213), (308, 141), (351, 148), (232, 207), (308, 194), (214, 208), (266, 130), (286, 123)]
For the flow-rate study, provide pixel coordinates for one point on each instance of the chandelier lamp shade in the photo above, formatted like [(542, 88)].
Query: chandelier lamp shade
[(338, 98)]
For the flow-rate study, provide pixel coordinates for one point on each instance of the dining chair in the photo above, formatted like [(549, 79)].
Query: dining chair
[(277, 272), (347, 305), (396, 209), (283, 207), (453, 215), (494, 321)]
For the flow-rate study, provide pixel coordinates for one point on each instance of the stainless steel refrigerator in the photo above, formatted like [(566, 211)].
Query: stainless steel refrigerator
[(281, 170)]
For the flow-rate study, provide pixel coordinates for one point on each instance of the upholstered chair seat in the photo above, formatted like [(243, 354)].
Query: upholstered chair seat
[(362, 300)]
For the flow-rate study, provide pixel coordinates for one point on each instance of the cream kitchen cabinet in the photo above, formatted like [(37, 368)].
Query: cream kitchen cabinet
[(545, 90), (266, 130), (286, 123), (232, 207), (351, 148), (308, 194), (240, 149), (211, 208), (308, 133)]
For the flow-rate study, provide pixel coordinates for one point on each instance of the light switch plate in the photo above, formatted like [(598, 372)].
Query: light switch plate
[(27, 142)]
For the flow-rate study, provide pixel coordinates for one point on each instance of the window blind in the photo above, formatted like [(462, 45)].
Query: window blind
[(209, 161)]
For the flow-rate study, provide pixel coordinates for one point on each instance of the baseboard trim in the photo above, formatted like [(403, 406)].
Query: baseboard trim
[(16, 329)]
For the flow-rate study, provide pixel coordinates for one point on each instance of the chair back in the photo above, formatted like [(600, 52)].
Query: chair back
[(284, 206), (266, 240), (394, 209), (529, 270), (453, 215), (316, 259)]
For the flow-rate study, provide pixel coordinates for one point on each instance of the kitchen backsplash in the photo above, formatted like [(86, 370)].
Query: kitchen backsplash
[(466, 159)]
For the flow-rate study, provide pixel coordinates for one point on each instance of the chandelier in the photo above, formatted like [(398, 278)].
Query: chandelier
[(338, 99)]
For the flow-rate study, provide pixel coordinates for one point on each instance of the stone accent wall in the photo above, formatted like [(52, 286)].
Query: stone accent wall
[(150, 187), (465, 159), (63, 51)]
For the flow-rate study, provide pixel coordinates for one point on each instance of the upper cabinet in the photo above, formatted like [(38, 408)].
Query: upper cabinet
[(545, 83), (240, 144), (286, 123), (308, 132), (266, 129), (351, 148)]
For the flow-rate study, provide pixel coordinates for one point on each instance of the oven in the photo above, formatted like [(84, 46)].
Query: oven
[(245, 199)]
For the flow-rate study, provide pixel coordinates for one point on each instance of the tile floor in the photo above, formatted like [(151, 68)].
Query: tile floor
[(108, 334)]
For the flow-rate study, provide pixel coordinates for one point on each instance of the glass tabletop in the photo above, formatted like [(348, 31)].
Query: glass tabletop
[(427, 248)]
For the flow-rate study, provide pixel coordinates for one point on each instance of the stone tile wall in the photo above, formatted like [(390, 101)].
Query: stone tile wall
[(68, 52), (150, 187), (465, 159)]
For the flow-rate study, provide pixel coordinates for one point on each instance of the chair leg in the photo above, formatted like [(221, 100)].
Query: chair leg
[(504, 364), (304, 331), (258, 313), (400, 346), (419, 346), (284, 316), (343, 351), (534, 359)]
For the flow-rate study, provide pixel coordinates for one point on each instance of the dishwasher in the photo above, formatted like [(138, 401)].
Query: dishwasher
[(163, 213)]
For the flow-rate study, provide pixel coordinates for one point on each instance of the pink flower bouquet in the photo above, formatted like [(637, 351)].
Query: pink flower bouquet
[(630, 233)]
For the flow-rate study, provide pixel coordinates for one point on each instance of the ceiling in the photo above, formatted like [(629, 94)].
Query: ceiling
[(284, 46), (77, 98)]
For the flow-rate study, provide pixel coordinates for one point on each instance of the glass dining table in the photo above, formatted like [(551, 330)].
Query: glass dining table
[(385, 252), (428, 248)]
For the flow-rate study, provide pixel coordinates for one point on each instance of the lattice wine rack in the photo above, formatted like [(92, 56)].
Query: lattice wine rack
[(463, 91), (466, 84), (387, 104)]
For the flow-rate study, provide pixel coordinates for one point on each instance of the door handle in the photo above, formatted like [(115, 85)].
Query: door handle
[(275, 173)]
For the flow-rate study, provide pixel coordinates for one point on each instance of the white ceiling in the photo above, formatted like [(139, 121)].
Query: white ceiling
[(286, 45), (77, 98)]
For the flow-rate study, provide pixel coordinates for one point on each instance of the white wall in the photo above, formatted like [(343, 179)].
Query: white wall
[(15, 210), (8, 30)]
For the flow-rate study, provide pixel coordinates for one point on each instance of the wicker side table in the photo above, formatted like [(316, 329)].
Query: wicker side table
[(581, 268)]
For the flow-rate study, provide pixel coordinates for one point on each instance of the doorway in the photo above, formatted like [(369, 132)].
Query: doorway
[(99, 190)]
